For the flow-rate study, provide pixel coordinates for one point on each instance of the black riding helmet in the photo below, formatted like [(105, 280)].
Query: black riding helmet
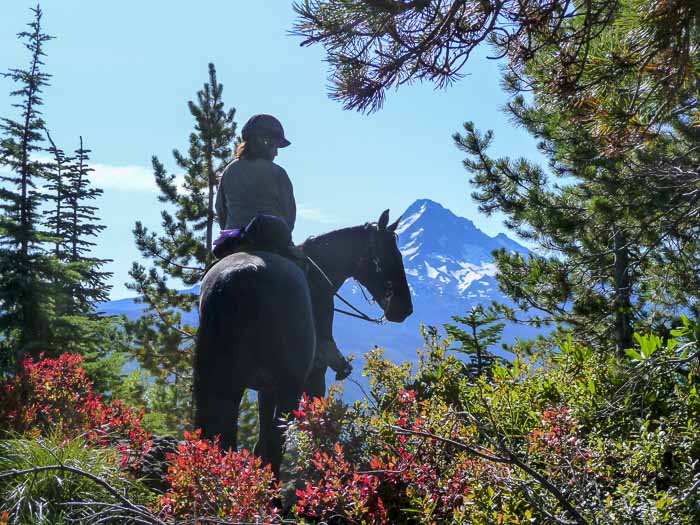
[(265, 126)]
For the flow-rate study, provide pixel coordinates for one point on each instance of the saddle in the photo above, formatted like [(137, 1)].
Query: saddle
[(264, 233)]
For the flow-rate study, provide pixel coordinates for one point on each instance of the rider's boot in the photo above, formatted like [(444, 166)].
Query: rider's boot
[(330, 355)]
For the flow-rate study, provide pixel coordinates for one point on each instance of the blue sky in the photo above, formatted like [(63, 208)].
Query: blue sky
[(124, 71)]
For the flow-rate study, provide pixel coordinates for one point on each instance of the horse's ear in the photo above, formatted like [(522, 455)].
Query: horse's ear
[(383, 221), (394, 225)]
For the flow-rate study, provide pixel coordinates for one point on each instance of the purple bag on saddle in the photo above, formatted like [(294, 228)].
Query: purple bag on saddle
[(227, 241), (225, 235)]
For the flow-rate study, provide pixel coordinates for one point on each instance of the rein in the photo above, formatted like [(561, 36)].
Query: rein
[(357, 313)]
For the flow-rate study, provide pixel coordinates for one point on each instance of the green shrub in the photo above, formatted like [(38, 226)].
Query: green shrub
[(62, 494), (566, 435)]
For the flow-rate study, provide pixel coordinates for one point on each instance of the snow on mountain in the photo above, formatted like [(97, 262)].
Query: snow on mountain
[(449, 268), (447, 257)]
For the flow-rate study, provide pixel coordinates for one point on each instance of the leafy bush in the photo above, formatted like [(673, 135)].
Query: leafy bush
[(54, 396), (566, 435), (232, 486), (44, 395), (561, 435)]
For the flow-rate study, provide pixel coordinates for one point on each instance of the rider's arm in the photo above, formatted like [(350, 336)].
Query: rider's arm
[(289, 206), (221, 211)]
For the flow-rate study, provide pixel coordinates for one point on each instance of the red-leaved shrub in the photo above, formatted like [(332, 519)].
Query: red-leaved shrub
[(323, 418), (55, 395), (47, 394), (341, 492), (205, 481)]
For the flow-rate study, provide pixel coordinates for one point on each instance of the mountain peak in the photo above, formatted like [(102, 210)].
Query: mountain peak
[(426, 204), (447, 254), (426, 210)]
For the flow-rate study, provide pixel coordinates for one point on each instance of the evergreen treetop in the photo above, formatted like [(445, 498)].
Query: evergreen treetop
[(25, 309), (181, 253), (482, 332)]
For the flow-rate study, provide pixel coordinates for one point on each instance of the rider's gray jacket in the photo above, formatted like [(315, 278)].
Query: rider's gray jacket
[(254, 187)]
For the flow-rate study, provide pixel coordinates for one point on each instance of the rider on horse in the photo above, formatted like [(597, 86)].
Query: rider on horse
[(256, 210)]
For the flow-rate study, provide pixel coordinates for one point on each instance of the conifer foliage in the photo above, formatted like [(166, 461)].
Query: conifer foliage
[(83, 228), (57, 180), (49, 282), (163, 342), (616, 226), (610, 91), (73, 227), (24, 306), (482, 332)]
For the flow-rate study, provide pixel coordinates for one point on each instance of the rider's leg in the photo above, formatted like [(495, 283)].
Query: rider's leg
[(329, 354)]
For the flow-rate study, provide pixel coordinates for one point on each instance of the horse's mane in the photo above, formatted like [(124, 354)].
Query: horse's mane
[(341, 232), (350, 231)]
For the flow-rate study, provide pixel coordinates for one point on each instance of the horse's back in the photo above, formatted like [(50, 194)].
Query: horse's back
[(256, 321)]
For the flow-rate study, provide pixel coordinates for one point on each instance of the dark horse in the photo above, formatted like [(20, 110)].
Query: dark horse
[(257, 317)]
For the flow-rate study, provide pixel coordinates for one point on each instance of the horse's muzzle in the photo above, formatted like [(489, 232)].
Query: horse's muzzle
[(397, 309)]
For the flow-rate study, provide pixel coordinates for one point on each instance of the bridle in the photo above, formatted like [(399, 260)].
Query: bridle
[(371, 256)]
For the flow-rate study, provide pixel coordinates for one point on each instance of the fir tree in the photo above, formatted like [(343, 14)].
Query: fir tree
[(25, 305), (49, 283), (82, 285), (57, 176), (163, 342), (82, 226), (99, 339), (482, 332)]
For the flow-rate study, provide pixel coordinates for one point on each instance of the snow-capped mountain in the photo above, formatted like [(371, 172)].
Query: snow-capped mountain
[(447, 255), (448, 262), (449, 269)]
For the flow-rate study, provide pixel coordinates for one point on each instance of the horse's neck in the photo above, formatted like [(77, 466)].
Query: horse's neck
[(337, 253)]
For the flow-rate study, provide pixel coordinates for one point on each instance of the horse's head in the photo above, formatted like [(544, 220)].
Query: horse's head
[(381, 270)]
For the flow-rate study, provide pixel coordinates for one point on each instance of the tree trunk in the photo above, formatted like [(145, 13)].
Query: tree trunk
[(210, 206), (623, 291)]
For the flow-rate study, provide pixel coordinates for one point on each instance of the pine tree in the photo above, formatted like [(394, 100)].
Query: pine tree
[(610, 259), (482, 332), (163, 342), (25, 305)]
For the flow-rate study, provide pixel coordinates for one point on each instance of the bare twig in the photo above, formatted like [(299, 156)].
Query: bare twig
[(126, 503), (507, 457)]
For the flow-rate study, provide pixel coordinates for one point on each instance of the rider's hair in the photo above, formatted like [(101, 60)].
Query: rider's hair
[(256, 147)]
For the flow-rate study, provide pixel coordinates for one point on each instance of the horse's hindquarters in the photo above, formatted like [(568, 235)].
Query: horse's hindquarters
[(256, 324)]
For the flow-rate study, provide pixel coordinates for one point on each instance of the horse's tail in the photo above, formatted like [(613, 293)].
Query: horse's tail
[(205, 341), (196, 379)]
